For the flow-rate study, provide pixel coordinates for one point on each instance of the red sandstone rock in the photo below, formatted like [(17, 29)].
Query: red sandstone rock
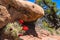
[(19, 9), (4, 16)]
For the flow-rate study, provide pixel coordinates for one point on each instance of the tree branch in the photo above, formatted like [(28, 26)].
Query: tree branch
[(51, 7)]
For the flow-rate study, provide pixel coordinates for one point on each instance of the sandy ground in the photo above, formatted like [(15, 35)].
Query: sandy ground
[(42, 35)]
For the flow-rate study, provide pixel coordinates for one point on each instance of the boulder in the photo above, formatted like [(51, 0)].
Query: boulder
[(28, 11), (20, 9), (4, 16)]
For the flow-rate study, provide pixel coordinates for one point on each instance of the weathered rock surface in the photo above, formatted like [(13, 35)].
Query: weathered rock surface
[(30, 11), (19, 9), (4, 16)]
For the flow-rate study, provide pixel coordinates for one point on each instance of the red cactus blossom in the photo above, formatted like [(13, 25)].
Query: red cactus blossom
[(21, 21), (25, 28)]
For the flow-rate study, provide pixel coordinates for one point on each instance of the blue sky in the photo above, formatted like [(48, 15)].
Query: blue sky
[(57, 2), (31, 0)]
